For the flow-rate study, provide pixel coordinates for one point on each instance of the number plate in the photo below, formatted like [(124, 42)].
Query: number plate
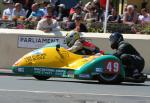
[(112, 67)]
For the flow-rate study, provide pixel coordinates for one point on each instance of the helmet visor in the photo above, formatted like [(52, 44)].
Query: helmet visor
[(113, 42)]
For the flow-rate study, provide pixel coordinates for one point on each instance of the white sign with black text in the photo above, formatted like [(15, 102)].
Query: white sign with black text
[(37, 41)]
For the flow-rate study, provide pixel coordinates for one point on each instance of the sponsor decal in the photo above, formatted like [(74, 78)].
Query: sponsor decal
[(21, 70), (38, 41), (54, 72), (84, 76), (44, 71), (99, 70), (59, 72), (70, 73), (35, 57)]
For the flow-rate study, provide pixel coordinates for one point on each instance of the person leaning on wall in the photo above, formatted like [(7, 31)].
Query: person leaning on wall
[(47, 23)]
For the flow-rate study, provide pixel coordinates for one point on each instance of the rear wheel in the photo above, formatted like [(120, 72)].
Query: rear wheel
[(109, 78), (41, 77)]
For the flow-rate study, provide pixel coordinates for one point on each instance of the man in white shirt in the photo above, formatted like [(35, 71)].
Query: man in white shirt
[(7, 13), (18, 10), (48, 24)]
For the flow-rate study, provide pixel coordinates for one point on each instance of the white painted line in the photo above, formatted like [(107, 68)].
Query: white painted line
[(91, 102), (148, 76), (65, 93)]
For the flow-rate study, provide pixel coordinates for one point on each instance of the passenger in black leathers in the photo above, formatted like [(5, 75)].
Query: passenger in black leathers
[(130, 57)]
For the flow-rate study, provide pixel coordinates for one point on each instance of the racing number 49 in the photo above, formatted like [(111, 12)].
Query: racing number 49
[(112, 67)]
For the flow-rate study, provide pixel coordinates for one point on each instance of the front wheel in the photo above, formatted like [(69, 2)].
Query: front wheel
[(109, 78), (41, 77)]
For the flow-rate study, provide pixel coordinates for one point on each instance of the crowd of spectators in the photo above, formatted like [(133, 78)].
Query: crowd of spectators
[(48, 14)]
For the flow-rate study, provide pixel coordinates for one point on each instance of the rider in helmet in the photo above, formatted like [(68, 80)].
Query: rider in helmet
[(130, 57), (79, 45)]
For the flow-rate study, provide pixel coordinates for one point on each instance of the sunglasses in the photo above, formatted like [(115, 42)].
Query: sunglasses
[(48, 16)]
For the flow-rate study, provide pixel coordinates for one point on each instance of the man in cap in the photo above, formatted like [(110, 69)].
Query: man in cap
[(61, 12)]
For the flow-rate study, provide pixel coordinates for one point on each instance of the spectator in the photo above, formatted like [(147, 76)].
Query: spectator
[(130, 17), (99, 10), (26, 4), (61, 12), (71, 11), (18, 11), (87, 6), (114, 18), (77, 25), (144, 18), (36, 13), (43, 5), (93, 3), (53, 2), (91, 16), (48, 24), (7, 13), (80, 3), (102, 17), (50, 11), (78, 11)]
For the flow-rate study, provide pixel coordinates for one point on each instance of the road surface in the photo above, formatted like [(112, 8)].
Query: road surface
[(15, 89)]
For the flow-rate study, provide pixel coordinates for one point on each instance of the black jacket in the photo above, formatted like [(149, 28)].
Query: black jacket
[(125, 48), (130, 57)]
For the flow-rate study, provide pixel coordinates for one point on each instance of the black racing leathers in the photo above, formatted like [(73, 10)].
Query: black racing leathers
[(130, 57)]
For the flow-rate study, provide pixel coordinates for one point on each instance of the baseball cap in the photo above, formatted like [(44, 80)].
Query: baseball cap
[(61, 5), (8, 1)]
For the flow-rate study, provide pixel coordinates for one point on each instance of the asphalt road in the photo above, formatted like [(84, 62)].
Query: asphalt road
[(57, 90)]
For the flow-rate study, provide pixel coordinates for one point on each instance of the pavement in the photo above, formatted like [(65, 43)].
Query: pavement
[(16, 89), (8, 72)]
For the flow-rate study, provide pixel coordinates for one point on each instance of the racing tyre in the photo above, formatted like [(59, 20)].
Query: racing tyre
[(41, 77), (109, 78)]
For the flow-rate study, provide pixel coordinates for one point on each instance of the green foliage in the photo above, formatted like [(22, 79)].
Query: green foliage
[(146, 29), (94, 27), (30, 24), (119, 27), (111, 27)]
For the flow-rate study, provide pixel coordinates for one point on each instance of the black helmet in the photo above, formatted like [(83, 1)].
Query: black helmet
[(115, 38)]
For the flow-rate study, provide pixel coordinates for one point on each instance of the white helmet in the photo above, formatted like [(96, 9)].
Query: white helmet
[(71, 37)]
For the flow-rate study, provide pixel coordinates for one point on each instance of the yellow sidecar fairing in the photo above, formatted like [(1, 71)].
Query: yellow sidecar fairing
[(51, 58)]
